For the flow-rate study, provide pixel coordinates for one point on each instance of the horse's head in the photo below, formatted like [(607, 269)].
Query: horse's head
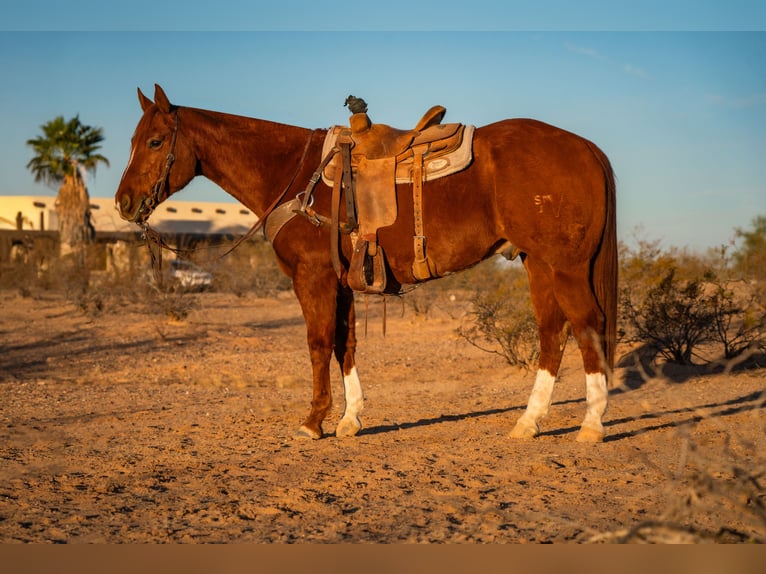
[(161, 160)]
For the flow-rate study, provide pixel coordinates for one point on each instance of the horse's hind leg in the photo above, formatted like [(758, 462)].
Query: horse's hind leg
[(553, 331), (345, 348), (576, 299)]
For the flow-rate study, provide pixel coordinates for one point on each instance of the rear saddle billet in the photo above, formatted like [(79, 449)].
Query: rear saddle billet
[(374, 158)]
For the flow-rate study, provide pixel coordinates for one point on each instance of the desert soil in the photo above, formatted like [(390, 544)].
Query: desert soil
[(124, 426)]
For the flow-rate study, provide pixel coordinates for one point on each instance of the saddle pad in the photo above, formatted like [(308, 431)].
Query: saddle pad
[(440, 165)]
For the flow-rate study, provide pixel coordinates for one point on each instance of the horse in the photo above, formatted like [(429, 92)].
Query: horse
[(549, 193)]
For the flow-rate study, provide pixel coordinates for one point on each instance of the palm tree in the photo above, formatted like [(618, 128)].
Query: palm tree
[(64, 152)]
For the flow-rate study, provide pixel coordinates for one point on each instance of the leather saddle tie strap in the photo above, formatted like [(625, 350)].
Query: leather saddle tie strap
[(334, 227), (348, 183), (420, 266), (343, 184)]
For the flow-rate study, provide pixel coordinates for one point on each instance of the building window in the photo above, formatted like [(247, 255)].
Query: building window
[(221, 211), (244, 212), (171, 209), (196, 210)]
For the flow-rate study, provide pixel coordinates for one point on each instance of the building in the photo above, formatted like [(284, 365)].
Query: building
[(28, 219), (38, 213)]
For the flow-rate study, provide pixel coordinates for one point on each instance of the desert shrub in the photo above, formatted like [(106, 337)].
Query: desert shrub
[(646, 263), (172, 303), (720, 499), (675, 317), (740, 317), (501, 319), (102, 277), (19, 275), (750, 257), (421, 301), (675, 302), (251, 268)]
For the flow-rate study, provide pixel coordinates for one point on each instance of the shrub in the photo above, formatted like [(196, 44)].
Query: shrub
[(740, 319), (250, 269), (174, 304), (676, 302), (750, 258), (502, 320), (674, 317)]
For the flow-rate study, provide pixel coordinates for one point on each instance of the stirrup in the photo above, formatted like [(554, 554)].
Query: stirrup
[(367, 271)]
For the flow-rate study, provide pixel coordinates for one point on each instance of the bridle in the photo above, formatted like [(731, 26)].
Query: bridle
[(159, 193)]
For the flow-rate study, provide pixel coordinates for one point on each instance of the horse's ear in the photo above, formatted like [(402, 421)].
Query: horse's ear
[(143, 100), (161, 99)]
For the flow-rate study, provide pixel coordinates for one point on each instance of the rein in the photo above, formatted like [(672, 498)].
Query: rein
[(262, 220), (158, 196)]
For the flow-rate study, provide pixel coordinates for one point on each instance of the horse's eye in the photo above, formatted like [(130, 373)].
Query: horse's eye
[(155, 144)]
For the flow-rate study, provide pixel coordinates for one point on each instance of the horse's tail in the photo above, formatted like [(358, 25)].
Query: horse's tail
[(605, 266)]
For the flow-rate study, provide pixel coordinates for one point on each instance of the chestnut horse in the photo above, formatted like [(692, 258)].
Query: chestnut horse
[(548, 192)]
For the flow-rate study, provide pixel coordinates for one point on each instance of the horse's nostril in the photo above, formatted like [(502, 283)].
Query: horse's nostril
[(125, 204)]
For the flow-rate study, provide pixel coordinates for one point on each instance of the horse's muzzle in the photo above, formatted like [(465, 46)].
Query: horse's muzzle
[(130, 210)]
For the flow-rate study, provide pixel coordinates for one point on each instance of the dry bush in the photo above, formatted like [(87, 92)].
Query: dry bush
[(19, 275), (722, 501), (422, 300), (750, 257), (716, 493), (675, 303), (740, 317), (250, 269), (674, 317), (501, 319), (172, 303)]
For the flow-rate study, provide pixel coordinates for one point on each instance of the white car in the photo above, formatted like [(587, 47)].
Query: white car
[(186, 275), (189, 276)]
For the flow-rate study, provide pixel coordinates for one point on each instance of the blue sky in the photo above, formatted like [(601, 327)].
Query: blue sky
[(674, 92)]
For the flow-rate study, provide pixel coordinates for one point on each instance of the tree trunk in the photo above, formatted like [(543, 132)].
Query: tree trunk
[(72, 206)]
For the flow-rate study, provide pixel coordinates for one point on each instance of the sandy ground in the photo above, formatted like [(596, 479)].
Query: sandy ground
[(128, 427)]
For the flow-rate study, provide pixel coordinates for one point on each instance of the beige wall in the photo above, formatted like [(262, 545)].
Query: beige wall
[(190, 216)]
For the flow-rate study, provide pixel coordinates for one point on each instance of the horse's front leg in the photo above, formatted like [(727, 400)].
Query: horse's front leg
[(317, 296), (345, 348)]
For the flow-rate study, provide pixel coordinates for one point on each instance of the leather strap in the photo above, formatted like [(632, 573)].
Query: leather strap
[(420, 267), (348, 181), (264, 217), (334, 230)]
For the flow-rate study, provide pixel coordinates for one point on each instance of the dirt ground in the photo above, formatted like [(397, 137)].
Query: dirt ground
[(128, 427)]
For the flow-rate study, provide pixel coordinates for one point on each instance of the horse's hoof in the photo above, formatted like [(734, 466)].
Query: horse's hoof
[(348, 427), (305, 432), (590, 434), (522, 430)]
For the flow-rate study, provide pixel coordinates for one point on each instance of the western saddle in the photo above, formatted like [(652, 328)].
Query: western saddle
[(363, 162)]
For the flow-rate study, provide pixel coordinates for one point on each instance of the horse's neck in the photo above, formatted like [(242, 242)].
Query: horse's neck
[(253, 160)]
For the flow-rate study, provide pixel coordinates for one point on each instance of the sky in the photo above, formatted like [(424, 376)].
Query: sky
[(674, 92)]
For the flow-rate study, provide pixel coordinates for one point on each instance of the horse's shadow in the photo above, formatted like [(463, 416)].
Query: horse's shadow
[(381, 429), (640, 366), (691, 414), (275, 324), (653, 421)]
